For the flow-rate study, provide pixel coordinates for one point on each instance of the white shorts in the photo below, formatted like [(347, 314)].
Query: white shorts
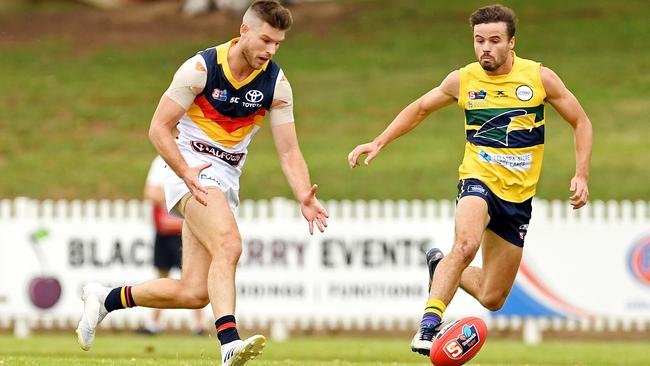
[(214, 176)]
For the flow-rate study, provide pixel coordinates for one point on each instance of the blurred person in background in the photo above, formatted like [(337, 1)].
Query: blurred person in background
[(217, 100), (503, 97), (167, 243)]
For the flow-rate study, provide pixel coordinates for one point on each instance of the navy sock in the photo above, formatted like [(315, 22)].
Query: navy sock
[(119, 298), (226, 329)]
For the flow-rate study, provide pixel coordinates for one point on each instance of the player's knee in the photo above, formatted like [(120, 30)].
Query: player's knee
[(227, 249), (196, 298), (232, 249), (225, 245), (465, 250), (493, 301)]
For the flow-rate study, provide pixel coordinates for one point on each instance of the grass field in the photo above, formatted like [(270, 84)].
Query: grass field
[(116, 350), (75, 113)]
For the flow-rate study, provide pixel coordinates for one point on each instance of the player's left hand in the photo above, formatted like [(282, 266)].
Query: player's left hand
[(313, 211), (580, 192), (371, 148)]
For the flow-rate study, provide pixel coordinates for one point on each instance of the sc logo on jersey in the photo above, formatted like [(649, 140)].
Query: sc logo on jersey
[(254, 96)]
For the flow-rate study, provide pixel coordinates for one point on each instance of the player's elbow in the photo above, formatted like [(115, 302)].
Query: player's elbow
[(584, 124), (153, 132), (289, 155)]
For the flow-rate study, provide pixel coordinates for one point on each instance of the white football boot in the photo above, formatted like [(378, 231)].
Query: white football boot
[(93, 297), (423, 339), (237, 353)]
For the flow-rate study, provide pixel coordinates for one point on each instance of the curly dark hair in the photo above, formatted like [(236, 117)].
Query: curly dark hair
[(494, 14)]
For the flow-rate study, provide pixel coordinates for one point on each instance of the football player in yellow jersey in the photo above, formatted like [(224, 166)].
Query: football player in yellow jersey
[(217, 101), (503, 97)]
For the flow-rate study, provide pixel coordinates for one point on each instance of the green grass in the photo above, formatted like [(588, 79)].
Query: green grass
[(128, 349), (73, 123)]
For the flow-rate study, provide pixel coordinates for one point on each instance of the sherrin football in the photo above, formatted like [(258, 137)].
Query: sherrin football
[(457, 342)]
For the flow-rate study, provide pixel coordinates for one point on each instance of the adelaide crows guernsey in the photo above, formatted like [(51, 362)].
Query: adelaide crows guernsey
[(504, 126), (222, 120)]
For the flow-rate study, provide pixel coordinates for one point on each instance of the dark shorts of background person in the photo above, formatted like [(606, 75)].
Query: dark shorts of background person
[(167, 252), (509, 220)]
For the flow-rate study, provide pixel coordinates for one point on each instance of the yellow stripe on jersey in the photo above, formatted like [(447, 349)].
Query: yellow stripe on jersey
[(217, 133)]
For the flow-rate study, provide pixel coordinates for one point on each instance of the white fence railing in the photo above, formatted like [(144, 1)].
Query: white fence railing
[(366, 272)]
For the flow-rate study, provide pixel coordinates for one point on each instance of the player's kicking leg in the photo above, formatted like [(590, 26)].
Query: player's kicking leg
[(188, 292), (471, 220), (93, 296), (421, 342)]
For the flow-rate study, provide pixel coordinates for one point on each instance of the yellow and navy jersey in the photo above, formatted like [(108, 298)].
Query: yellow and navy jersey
[(504, 126), (223, 119)]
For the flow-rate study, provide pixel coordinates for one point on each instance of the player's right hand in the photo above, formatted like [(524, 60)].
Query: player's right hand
[(313, 211), (371, 148), (191, 179), (580, 190)]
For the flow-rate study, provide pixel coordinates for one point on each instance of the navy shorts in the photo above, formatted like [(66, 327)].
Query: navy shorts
[(167, 252), (509, 220)]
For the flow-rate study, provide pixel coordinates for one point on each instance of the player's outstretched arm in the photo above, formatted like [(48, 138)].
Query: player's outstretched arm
[(570, 109), (411, 116), (295, 169)]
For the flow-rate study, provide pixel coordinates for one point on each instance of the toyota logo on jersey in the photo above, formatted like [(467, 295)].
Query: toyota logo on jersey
[(254, 96)]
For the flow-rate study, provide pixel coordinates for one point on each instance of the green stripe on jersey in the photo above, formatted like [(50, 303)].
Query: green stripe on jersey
[(478, 117)]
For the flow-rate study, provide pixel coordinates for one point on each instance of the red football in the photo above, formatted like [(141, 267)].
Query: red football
[(458, 341)]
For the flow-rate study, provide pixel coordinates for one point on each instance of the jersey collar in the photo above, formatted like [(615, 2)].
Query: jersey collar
[(222, 59)]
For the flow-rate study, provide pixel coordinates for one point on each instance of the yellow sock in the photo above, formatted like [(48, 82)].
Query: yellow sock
[(435, 306)]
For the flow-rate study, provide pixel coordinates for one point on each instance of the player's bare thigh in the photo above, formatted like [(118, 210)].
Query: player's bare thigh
[(214, 224), (180, 206), (196, 264), (471, 220)]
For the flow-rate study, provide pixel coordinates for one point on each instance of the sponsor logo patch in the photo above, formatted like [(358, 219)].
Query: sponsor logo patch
[(523, 229), (476, 188), (524, 92), (220, 95), (471, 104), (254, 96), (473, 95), (204, 176), (510, 162), (232, 159)]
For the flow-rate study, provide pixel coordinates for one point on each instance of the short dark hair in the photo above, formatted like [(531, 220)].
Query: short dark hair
[(494, 14), (273, 13)]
